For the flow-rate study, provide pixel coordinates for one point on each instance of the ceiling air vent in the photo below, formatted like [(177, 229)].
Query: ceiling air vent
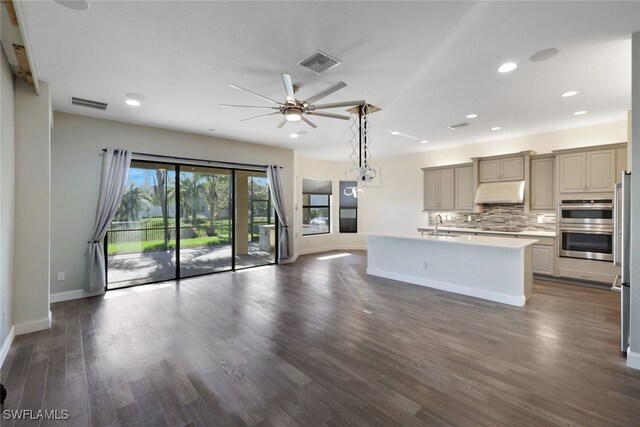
[(458, 126), (89, 103), (319, 62)]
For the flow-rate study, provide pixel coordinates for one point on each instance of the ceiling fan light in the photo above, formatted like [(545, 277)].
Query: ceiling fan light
[(293, 116)]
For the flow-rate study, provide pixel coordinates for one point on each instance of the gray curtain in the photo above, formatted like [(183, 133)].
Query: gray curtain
[(115, 170), (275, 188)]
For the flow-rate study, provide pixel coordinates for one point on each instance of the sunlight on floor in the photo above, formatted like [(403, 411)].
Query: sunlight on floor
[(263, 267), (322, 258), (140, 288)]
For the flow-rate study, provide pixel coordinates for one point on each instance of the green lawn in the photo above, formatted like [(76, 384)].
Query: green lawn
[(158, 245), (189, 240)]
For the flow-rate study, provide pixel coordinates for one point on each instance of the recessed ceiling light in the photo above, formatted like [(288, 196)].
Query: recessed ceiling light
[(544, 54), (507, 67), (395, 133), (293, 135), (74, 4), (471, 116), (496, 128), (424, 141), (568, 94), (134, 99), (579, 113)]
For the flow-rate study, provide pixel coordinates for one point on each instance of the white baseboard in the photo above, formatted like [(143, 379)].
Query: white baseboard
[(518, 301), (633, 360), (6, 345), (69, 295), (34, 325)]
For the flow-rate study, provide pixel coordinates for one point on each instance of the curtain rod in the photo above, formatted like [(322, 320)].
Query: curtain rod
[(161, 156)]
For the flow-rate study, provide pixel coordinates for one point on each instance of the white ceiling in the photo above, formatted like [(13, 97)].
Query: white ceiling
[(426, 64)]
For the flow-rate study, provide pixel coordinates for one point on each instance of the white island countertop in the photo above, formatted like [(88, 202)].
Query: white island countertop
[(503, 242), (489, 267), (535, 233)]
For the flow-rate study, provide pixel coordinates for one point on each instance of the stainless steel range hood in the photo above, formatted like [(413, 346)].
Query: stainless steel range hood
[(500, 192)]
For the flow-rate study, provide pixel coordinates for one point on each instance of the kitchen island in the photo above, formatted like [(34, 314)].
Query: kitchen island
[(493, 268)]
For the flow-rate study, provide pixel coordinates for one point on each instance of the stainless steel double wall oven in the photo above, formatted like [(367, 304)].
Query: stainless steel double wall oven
[(585, 228)]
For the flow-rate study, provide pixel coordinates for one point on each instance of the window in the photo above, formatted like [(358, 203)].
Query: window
[(316, 207), (348, 209)]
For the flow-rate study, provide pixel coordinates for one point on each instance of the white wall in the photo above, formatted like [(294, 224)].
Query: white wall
[(323, 170), (32, 207), (398, 204), (7, 201), (77, 143)]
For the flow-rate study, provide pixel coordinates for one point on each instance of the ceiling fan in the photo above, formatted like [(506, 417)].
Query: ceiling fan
[(294, 109)]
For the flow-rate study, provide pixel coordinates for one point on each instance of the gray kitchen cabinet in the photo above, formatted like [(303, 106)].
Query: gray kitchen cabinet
[(543, 255), (542, 259), (543, 183), (587, 171), (438, 187), (465, 191), (503, 169), (601, 170)]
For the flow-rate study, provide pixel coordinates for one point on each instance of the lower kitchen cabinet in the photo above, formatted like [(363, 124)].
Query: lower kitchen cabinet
[(543, 259)]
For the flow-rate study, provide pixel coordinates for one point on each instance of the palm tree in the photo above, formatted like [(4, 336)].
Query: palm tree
[(191, 190), (133, 201), (216, 192), (160, 196)]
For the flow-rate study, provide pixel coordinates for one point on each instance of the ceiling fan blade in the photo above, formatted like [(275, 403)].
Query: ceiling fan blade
[(288, 87), (248, 106), (255, 94), (282, 123), (260, 116), (336, 105), (309, 122), (328, 91), (331, 115)]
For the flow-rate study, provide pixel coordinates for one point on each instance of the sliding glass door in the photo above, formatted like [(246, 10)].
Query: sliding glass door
[(205, 220), (255, 242), (177, 221), (141, 240)]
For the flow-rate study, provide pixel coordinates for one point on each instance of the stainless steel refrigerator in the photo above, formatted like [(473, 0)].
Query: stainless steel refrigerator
[(622, 252)]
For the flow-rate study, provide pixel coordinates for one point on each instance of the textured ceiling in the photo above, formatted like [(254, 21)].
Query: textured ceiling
[(426, 64)]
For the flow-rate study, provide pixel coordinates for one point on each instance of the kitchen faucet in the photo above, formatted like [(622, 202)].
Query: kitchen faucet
[(438, 218)]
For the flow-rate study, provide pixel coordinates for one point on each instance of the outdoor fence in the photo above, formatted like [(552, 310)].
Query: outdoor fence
[(142, 231), (136, 231)]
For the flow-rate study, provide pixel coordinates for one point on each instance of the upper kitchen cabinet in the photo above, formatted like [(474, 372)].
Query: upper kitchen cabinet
[(438, 188), (590, 170), (465, 189), (449, 188), (501, 169), (543, 183)]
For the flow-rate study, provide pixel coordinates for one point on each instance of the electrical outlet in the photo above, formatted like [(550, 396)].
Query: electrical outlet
[(468, 218), (448, 217), (61, 275), (540, 219)]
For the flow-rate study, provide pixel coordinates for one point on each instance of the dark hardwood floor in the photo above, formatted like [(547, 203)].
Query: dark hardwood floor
[(296, 345)]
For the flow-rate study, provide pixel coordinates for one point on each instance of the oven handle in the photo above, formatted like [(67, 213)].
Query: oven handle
[(587, 230), (593, 207)]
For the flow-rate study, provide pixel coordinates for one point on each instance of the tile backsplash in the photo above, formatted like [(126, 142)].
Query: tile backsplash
[(498, 217)]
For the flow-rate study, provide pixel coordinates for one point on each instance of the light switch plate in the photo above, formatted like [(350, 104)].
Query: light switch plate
[(61, 275)]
